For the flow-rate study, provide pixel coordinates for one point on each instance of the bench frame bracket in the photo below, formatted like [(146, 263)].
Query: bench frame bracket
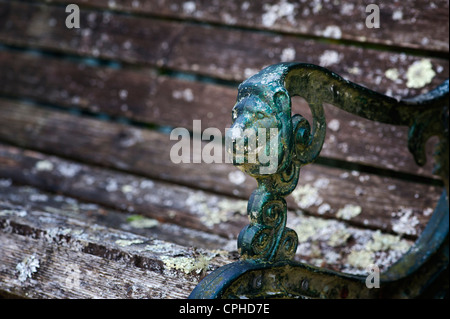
[(266, 245)]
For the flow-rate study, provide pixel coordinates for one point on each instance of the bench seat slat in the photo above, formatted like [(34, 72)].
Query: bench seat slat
[(164, 100), (81, 260), (221, 53), (411, 28), (149, 157), (64, 225)]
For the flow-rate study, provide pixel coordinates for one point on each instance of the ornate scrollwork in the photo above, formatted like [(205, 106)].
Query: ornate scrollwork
[(264, 101), (266, 244)]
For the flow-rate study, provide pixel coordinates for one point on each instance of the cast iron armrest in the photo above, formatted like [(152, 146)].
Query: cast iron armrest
[(266, 245)]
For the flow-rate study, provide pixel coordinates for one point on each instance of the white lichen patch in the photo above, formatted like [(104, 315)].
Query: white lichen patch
[(44, 166), (248, 72), (123, 94), (189, 7), (329, 57), (38, 198), (349, 211), (288, 55), (27, 267), (428, 211), (392, 74), (347, 9), (18, 213), (324, 208), (161, 247), (111, 185), (306, 196), (187, 264), (343, 247), (213, 210), (360, 258), (138, 221), (274, 12), (382, 250), (146, 184), (354, 70), (405, 222), (339, 237), (332, 31), (382, 242), (186, 95), (68, 169), (419, 74), (127, 189), (5, 182), (334, 125), (128, 242), (236, 177), (397, 15)]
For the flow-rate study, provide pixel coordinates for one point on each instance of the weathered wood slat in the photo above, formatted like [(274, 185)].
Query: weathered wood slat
[(326, 243), (164, 202), (411, 27), (149, 156), (146, 98), (90, 213), (46, 255), (218, 52)]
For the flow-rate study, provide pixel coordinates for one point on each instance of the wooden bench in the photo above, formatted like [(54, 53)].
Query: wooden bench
[(91, 205)]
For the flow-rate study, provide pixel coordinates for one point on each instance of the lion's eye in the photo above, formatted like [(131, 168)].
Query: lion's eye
[(260, 115)]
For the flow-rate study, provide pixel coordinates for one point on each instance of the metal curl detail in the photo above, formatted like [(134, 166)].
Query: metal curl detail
[(266, 245), (264, 101)]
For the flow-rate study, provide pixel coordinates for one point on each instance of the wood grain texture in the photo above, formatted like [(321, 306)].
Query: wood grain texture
[(78, 260), (163, 100), (411, 25), (124, 219), (221, 53), (381, 198), (322, 242)]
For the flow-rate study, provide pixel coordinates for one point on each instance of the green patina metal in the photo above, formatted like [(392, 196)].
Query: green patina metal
[(266, 245)]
